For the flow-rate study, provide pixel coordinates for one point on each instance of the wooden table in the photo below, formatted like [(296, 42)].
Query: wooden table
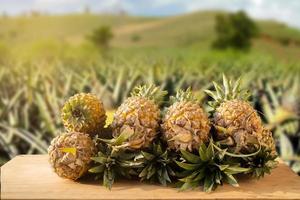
[(31, 177)]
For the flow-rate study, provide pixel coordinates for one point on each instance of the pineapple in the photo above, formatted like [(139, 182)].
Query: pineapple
[(70, 154), (185, 125), (139, 115), (83, 113), (237, 123)]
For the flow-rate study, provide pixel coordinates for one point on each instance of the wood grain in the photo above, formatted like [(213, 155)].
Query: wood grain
[(30, 177)]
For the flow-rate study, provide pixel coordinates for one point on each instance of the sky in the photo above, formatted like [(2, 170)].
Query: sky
[(287, 11)]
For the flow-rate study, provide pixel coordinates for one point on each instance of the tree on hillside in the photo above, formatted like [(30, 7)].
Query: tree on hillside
[(101, 37), (234, 30)]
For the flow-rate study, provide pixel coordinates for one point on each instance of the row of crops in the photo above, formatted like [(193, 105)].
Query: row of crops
[(33, 93)]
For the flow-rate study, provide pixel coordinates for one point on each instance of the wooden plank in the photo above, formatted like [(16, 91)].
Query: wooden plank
[(31, 177)]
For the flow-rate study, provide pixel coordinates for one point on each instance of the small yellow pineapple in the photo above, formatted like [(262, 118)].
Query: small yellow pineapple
[(139, 115), (70, 154), (185, 125), (84, 113)]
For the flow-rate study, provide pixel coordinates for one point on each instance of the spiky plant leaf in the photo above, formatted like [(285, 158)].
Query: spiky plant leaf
[(120, 141), (209, 183), (189, 156), (110, 163), (230, 170), (188, 185), (188, 166), (202, 153), (210, 169), (182, 95), (231, 180), (229, 91), (97, 169), (149, 91), (157, 164), (262, 163)]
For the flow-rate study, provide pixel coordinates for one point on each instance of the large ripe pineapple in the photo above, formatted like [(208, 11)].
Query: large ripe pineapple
[(237, 123), (70, 154), (139, 115), (185, 125), (84, 113)]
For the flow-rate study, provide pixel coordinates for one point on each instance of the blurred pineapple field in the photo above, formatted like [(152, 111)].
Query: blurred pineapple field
[(46, 59)]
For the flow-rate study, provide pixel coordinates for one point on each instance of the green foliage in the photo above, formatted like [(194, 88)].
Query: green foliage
[(149, 91), (135, 38), (170, 35), (234, 30), (157, 164), (33, 94), (4, 53), (260, 164), (228, 91), (184, 96), (109, 164), (101, 37), (210, 167)]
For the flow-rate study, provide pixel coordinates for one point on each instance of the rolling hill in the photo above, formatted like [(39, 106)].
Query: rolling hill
[(193, 31)]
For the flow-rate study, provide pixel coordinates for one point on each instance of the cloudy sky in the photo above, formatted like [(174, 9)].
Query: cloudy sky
[(282, 10)]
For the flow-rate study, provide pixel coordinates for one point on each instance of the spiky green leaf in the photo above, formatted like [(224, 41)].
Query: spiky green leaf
[(208, 183), (189, 185), (125, 134), (231, 180), (190, 157), (188, 166), (148, 156), (210, 151), (97, 169), (236, 170), (101, 160), (202, 153)]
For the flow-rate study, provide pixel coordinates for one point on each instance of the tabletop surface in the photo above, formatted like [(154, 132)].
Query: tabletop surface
[(31, 177)]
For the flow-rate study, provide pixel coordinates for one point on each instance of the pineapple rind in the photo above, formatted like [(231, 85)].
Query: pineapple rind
[(142, 116), (243, 123), (237, 114), (69, 165), (185, 126)]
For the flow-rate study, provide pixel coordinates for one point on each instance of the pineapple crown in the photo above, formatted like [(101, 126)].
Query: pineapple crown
[(157, 164), (150, 92), (262, 163), (210, 166), (182, 95), (109, 163), (230, 91)]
